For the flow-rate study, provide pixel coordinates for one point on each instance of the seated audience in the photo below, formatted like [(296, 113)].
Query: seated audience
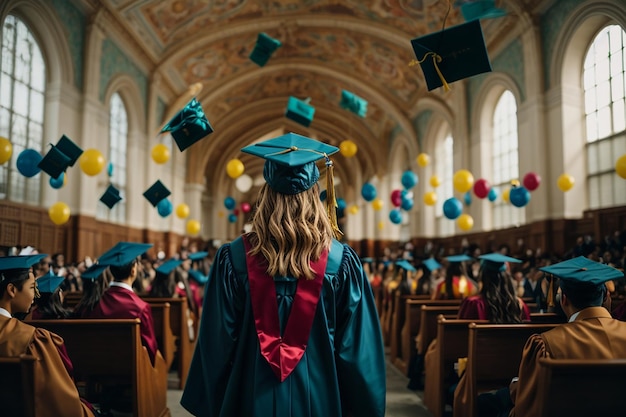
[(49, 304), (457, 284), (95, 283), (164, 283)]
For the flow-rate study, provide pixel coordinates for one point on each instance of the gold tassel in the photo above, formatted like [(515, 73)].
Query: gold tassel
[(331, 200), (551, 293)]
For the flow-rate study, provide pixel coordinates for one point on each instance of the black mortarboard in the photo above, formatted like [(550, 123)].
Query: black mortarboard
[(156, 193), (354, 103), (49, 283), (123, 253), (583, 271), (452, 54), (60, 156), (300, 111), (111, 196), (168, 266), (264, 48), (495, 261), (189, 125), (11, 266)]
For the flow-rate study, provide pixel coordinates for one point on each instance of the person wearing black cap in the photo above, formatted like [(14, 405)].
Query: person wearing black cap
[(55, 392), (289, 324)]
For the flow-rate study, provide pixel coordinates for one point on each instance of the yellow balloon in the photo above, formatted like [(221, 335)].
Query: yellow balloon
[(182, 211), (565, 182), (620, 166), (378, 204), (423, 160), (430, 198), (435, 181), (6, 150), (354, 209), (91, 162), (465, 222), (515, 183), (221, 213), (59, 213), (193, 227), (381, 225), (463, 180), (348, 148), (505, 195), (160, 153), (234, 168)]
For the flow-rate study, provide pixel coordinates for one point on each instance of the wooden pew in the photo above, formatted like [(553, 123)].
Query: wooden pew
[(70, 299), (397, 320), (17, 386), (428, 322), (163, 331), (109, 352), (547, 318), (582, 387)]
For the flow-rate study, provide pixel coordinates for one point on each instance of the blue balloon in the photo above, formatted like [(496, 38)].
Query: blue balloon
[(232, 217), (493, 194), (27, 162), (57, 183), (341, 204), (368, 192), (323, 195), (452, 208), (468, 198), (407, 204), (409, 179), (165, 207), (519, 196), (395, 216), (229, 203)]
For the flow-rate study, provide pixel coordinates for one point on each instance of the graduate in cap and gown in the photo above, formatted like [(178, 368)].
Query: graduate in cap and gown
[(289, 324), (55, 392), (457, 284)]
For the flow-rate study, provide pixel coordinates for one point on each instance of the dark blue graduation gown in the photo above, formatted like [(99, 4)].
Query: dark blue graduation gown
[(342, 370)]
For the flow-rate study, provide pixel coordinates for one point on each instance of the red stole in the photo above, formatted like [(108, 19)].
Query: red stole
[(283, 353)]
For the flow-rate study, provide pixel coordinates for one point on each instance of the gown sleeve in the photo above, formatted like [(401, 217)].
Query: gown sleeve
[(524, 392), (358, 345)]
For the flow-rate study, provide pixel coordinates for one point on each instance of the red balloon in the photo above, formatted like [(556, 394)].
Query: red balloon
[(481, 188), (531, 181), (236, 212), (396, 198), (245, 207)]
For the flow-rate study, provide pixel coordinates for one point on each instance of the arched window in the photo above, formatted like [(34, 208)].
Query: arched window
[(118, 138), (604, 82), (505, 160), (22, 91), (444, 169)]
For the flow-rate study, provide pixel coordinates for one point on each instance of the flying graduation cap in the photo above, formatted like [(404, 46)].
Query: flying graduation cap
[(452, 54), (354, 103), (156, 193), (111, 196), (189, 125), (264, 48), (60, 156), (300, 111), (481, 9)]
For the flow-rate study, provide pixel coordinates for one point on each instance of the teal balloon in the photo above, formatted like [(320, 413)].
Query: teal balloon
[(110, 169), (232, 217), (395, 216), (27, 162), (452, 208), (493, 194), (409, 179), (57, 183), (467, 198), (323, 195), (229, 203), (341, 204), (519, 196), (407, 204), (165, 207), (368, 192)]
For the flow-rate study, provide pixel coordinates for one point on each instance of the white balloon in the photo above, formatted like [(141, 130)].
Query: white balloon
[(243, 183)]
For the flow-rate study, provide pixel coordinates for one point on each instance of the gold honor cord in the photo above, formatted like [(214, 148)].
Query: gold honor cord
[(436, 59)]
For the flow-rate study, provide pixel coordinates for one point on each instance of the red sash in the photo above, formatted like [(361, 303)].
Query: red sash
[(283, 353)]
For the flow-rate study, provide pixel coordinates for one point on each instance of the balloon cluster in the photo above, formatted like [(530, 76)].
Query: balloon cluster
[(231, 204)]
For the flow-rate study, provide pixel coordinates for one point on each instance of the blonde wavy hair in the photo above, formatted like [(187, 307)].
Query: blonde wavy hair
[(289, 231)]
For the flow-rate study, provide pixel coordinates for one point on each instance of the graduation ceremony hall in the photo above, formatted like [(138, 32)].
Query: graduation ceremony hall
[(307, 208)]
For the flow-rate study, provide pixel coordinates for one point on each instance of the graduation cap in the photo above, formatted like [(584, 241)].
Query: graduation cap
[(495, 261), (111, 196), (198, 276), (367, 260), (264, 48), (94, 271), (197, 256), (481, 9), (581, 271), (452, 54), (189, 125), (458, 258), (60, 156), (431, 264), (300, 111), (49, 283), (354, 103), (168, 266), (12, 266), (123, 253), (156, 193), (406, 265)]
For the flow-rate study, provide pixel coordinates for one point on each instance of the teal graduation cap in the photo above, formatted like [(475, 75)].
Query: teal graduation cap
[(60, 156), (156, 193), (406, 265), (264, 48), (452, 54), (197, 256), (300, 111), (582, 271), (168, 266), (353, 103), (12, 266), (496, 261), (94, 271), (189, 125), (431, 264), (481, 9), (459, 258), (111, 196), (49, 283), (123, 253), (198, 276)]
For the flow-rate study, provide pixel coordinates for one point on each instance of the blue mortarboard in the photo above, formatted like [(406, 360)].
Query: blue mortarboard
[(406, 265), (459, 258), (196, 256), (60, 156), (431, 264), (264, 48), (495, 261), (168, 266), (49, 283), (156, 193), (452, 54), (17, 263), (367, 260), (300, 111), (290, 161), (583, 271), (198, 276), (123, 253), (354, 103), (94, 271), (111, 196), (481, 9), (189, 125)]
